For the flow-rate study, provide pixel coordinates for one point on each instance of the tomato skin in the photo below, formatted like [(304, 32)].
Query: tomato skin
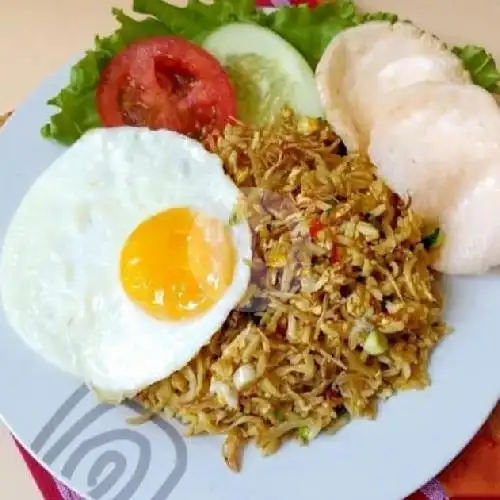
[(336, 254), (166, 82), (315, 227)]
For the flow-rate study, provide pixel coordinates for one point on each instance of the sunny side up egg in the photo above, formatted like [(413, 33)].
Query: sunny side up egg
[(120, 263)]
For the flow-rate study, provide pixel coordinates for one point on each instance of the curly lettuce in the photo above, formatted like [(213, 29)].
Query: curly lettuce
[(481, 66), (76, 102), (308, 30), (198, 19)]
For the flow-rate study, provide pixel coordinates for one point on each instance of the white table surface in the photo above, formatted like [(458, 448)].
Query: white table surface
[(37, 36)]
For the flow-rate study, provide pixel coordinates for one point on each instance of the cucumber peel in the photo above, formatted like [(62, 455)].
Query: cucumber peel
[(266, 71)]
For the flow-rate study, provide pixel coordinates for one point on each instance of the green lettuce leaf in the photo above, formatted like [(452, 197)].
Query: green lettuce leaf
[(76, 102), (379, 16), (311, 30), (308, 30), (198, 20), (481, 66)]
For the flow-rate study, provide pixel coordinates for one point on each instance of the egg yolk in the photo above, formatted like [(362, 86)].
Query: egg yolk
[(178, 263)]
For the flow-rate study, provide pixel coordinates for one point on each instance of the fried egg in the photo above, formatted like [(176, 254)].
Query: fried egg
[(120, 263)]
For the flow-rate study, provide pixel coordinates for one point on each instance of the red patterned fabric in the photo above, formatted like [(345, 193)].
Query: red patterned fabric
[(474, 475)]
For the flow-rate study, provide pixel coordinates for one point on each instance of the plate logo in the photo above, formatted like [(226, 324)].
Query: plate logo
[(111, 475)]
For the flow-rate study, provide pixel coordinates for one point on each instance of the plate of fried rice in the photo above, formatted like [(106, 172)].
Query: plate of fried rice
[(355, 362)]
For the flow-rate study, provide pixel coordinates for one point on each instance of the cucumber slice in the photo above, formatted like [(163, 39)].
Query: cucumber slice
[(266, 71)]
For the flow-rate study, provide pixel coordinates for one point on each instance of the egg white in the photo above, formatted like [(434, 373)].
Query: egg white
[(60, 263)]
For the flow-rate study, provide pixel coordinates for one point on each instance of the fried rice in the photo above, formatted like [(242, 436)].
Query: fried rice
[(343, 309)]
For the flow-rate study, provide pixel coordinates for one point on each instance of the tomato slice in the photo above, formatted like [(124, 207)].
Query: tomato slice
[(166, 82)]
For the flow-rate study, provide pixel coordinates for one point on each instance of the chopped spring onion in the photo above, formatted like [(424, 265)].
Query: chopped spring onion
[(248, 263), (303, 433), (307, 125), (434, 239), (376, 343), (279, 415)]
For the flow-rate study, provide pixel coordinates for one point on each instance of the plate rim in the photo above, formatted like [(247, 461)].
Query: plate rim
[(11, 122)]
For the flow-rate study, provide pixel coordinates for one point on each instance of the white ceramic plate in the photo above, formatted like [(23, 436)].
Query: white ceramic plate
[(92, 448)]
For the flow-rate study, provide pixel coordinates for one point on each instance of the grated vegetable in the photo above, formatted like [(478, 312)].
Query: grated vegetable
[(317, 308)]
